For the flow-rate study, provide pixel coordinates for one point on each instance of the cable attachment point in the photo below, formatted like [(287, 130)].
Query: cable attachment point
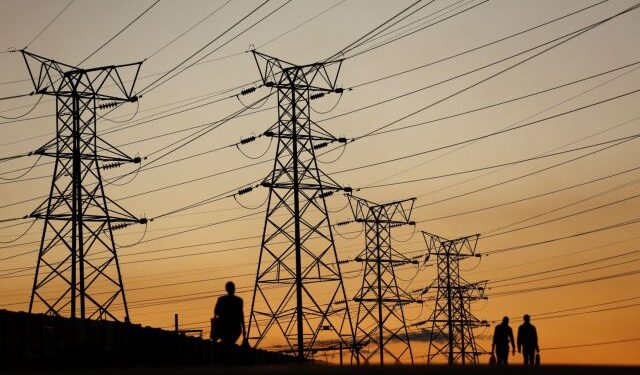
[(347, 189), (265, 184), (108, 105), (119, 226), (245, 190), (325, 194), (269, 133), (342, 140), (339, 90), (143, 220), (247, 140), (137, 160), (39, 151), (247, 91), (134, 99), (112, 165)]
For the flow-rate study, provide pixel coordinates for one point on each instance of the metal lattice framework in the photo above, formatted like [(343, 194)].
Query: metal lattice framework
[(299, 303), (77, 260), (452, 322), (380, 300)]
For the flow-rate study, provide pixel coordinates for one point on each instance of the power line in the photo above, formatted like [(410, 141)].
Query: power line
[(542, 315), (535, 196), (520, 161), (155, 83), (567, 216), (366, 35), (562, 285), (17, 96), (529, 174), (489, 135), (49, 24), (574, 235), (17, 118), (492, 232), (601, 343), (118, 33), (189, 29), (560, 41), (415, 31), (575, 265), (508, 101), (478, 47)]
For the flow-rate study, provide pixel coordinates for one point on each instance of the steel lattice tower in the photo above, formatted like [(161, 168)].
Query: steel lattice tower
[(380, 301), (298, 281), (77, 261), (452, 321)]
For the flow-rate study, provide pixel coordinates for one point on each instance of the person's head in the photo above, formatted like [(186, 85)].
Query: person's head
[(526, 318), (230, 287), (505, 320)]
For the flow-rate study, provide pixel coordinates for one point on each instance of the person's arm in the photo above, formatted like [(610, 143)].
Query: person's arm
[(535, 338), (519, 339), (244, 332), (216, 310), (513, 345), (493, 343)]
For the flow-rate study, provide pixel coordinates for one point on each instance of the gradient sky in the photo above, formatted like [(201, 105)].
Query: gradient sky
[(86, 24)]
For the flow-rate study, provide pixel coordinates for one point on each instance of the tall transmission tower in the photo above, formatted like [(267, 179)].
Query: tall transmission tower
[(299, 302), (77, 260), (452, 322), (380, 300)]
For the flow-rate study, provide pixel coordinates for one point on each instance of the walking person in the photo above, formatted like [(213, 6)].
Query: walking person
[(228, 317), (502, 335), (528, 341)]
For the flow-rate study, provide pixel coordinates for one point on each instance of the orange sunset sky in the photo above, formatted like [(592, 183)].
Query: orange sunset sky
[(568, 222)]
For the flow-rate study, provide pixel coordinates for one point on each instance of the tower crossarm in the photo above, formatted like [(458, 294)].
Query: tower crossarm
[(316, 77), (111, 82)]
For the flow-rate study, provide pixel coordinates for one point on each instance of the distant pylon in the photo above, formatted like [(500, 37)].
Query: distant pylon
[(452, 321), (380, 300), (298, 281), (77, 261)]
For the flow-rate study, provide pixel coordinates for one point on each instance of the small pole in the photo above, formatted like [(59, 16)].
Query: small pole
[(175, 322), (340, 353)]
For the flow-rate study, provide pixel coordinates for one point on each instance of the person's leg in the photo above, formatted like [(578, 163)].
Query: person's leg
[(528, 357), (503, 355)]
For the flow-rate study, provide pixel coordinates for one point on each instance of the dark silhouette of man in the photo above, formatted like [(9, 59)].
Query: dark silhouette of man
[(528, 341), (501, 337), (228, 317)]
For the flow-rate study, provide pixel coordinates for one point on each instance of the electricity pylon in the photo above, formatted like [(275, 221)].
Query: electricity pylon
[(380, 300), (298, 281), (452, 321), (77, 261)]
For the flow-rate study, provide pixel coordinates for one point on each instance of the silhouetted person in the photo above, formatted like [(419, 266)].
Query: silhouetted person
[(228, 317), (528, 341), (501, 337)]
